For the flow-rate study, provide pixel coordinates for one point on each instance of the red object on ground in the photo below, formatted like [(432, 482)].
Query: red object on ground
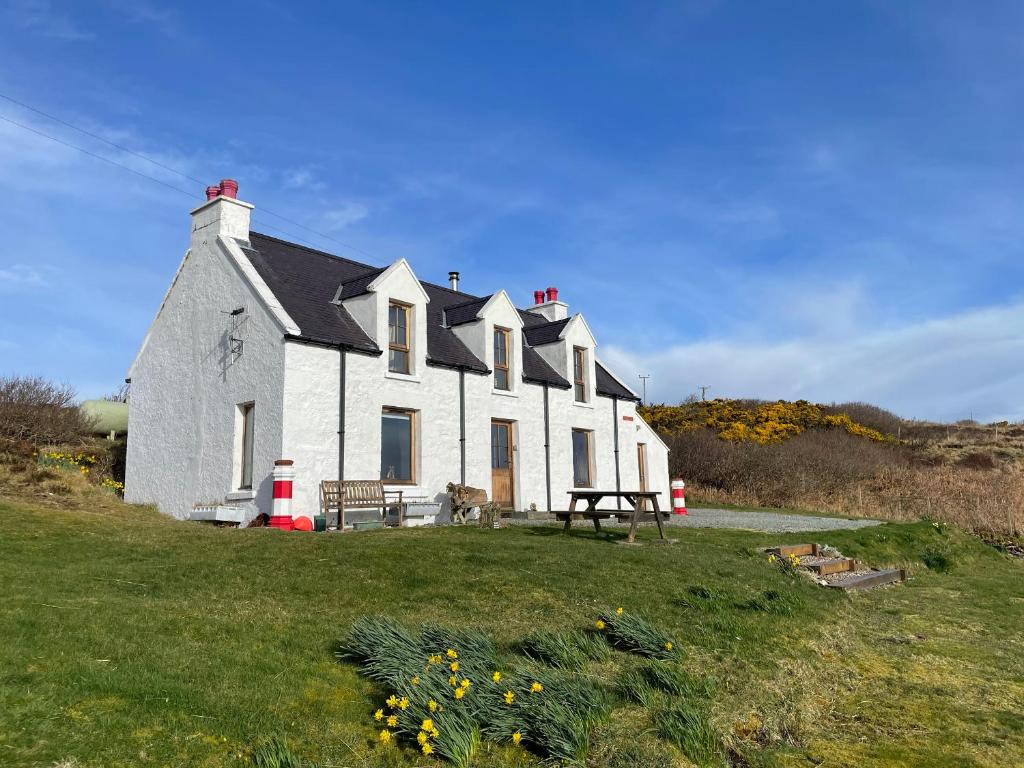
[(678, 497), (302, 523), (229, 188)]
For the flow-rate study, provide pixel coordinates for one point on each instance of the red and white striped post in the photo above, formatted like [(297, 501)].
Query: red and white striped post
[(281, 514), (678, 497)]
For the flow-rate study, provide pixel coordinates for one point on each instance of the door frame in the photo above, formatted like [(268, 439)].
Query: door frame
[(509, 426), (641, 470)]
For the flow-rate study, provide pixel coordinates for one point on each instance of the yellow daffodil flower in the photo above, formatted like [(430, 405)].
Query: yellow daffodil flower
[(434, 732), (427, 725), (392, 721), (668, 646), (421, 737), (460, 692), (496, 677), (392, 701), (465, 683), (452, 654), (432, 705), (378, 715), (453, 680), (385, 736), (599, 624), (509, 697), (427, 749), (536, 687), (403, 703), (415, 680), (516, 738), (454, 666), (618, 611)]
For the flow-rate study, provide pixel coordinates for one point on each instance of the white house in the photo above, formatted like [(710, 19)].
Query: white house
[(264, 349)]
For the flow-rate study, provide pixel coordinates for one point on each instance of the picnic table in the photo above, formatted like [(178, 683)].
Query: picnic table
[(635, 499)]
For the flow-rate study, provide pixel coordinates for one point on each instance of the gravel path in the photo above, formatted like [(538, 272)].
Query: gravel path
[(770, 522)]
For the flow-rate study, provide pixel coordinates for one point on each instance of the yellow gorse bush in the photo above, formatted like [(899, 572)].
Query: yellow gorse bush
[(761, 423)]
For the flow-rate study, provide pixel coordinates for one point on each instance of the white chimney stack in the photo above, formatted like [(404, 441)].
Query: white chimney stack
[(547, 305), (222, 214)]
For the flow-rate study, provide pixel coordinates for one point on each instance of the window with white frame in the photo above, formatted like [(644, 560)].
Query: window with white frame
[(247, 421)]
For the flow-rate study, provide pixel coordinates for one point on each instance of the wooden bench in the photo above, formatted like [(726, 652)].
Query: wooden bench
[(637, 500), (358, 494)]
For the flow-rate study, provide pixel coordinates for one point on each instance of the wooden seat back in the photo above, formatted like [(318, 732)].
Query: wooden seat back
[(356, 494)]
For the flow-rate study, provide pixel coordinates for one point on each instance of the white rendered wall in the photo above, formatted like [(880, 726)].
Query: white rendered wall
[(186, 386)]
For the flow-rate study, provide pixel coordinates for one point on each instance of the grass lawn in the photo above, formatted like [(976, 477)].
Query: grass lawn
[(128, 639)]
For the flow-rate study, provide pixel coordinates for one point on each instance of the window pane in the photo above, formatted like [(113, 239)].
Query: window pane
[(398, 361), (581, 393), (500, 348), (396, 446), (580, 458), (397, 330), (248, 425), (499, 446), (500, 378)]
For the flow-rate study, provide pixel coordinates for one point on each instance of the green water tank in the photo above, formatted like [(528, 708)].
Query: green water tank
[(106, 416)]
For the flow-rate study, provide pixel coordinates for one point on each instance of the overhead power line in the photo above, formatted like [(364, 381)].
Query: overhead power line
[(158, 164)]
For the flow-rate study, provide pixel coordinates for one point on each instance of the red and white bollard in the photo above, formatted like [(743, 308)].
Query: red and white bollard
[(678, 497), (281, 514)]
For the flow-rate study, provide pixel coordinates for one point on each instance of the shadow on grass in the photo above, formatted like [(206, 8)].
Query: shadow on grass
[(551, 531)]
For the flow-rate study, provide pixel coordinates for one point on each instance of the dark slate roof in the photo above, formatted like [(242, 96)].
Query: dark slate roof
[(544, 333), (608, 386), (306, 281), (357, 286), (457, 314)]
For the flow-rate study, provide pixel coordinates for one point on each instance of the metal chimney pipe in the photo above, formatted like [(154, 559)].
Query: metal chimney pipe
[(453, 280)]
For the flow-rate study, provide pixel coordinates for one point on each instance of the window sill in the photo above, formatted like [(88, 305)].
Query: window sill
[(410, 377), (504, 392), (245, 495), (578, 404)]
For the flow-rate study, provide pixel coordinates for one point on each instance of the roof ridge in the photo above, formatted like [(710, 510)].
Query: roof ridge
[(315, 251)]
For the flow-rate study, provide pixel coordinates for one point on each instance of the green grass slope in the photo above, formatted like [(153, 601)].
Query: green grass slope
[(128, 639)]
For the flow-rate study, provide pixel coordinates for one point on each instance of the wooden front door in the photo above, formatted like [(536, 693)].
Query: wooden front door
[(502, 486), (641, 463)]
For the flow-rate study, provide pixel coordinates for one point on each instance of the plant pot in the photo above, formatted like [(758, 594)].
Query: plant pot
[(320, 522)]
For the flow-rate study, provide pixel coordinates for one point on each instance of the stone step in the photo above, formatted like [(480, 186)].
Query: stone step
[(867, 579), (833, 565), (800, 550)]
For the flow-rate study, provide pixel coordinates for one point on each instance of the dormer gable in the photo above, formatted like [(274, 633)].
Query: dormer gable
[(491, 329), (562, 343), (390, 305)]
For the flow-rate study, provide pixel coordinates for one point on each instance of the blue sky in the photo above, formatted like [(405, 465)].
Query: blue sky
[(802, 199)]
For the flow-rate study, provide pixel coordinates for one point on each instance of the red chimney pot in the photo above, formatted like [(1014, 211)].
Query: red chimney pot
[(538, 297), (229, 188), (552, 294), (212, 192)]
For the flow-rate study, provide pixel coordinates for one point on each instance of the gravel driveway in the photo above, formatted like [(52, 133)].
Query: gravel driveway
[(770, 522)]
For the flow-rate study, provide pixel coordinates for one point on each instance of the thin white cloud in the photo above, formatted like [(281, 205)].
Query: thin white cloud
[(966, 364), (40, 17), (20, 277), (345, 214), (304, 179)]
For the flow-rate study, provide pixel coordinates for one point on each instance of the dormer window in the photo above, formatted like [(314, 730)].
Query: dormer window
[(501, 358), (398, 337), (579, 366)]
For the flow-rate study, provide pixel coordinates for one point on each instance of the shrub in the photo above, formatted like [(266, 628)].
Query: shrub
[(40, 412)]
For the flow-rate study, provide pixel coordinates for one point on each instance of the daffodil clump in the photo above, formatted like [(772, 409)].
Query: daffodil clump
[(789, 563), (79, 462), (630, 632), (447, 690)]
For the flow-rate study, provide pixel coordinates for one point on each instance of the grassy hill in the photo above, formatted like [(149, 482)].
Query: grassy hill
[(852, 459), (130, 639)]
